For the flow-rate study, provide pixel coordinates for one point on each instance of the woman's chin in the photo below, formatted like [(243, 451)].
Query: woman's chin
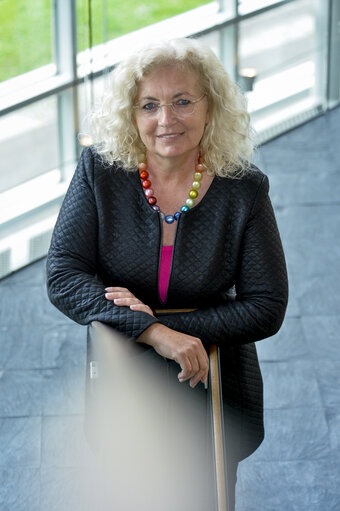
[(173, 151)]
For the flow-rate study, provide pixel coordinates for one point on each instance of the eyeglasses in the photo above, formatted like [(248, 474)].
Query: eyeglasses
[(181, 107)]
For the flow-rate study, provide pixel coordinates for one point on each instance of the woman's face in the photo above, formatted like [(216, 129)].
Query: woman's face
[(167, 134)]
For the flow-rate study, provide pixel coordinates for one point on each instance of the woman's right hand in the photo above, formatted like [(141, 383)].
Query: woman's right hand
[(186, 350)]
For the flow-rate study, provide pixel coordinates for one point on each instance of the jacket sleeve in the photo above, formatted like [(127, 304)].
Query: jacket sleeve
[(72, 284), (261, 286)]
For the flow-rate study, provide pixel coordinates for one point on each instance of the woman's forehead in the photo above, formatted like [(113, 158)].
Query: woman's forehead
[(169, 79)]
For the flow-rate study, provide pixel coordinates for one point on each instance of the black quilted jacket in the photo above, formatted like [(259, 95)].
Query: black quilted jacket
[(108, 235)]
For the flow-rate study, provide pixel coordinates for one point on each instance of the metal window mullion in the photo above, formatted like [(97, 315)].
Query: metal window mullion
[(321, 38), (229, 7), (333, 74), (66, 60), (229, 49), (228, 38)]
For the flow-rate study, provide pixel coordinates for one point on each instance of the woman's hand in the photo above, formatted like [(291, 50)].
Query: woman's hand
[(186, 350), (123, 297)]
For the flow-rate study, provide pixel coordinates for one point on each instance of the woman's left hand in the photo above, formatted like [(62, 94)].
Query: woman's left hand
[(121, 296)]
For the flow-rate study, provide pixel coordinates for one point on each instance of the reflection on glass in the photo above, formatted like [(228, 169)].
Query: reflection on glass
[(282, 46), (31, 179), (26, 36), (28, 142), (90, 94), (245, 6), (110, 19)]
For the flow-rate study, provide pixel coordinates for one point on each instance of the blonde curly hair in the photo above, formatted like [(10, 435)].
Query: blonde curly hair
[(227, 140)]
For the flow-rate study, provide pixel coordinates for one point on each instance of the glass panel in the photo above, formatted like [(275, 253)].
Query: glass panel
[(28, 143), (30, 183), (281, 54), (111, 19), (245, 6), (90, 94), (26, 36)]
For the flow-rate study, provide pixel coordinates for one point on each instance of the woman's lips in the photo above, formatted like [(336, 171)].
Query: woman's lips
[(168, 136)]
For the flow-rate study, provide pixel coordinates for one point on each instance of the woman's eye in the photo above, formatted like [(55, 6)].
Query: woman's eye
[(183, 102), (150, 107)]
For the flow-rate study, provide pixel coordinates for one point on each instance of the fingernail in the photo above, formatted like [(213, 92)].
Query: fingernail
[(106, 295)]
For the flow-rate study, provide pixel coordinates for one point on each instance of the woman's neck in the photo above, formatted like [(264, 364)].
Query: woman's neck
[(172, 170)]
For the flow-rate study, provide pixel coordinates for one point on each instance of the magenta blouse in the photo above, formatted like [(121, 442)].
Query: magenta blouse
[(164, 271)]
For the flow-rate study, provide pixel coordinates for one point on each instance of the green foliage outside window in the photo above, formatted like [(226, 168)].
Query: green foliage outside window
[(25, 36), (26, 27)]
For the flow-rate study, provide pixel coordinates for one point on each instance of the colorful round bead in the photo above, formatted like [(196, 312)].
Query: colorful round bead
[(144, 174), (146, 183), (148, 192), (189, 203)]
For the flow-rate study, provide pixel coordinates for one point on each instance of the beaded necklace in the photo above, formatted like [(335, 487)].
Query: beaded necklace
[(189, 203)]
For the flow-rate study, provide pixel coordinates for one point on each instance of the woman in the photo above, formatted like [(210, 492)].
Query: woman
[(165, 211)]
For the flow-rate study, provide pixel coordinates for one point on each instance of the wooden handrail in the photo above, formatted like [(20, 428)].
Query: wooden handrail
[(216, 397)]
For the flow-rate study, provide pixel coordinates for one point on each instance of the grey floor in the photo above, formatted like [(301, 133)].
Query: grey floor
[(42, 357)]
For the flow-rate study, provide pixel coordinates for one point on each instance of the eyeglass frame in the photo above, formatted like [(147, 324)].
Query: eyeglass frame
[(193, 101)]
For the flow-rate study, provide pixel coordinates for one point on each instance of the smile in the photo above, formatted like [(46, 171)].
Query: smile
[(167, 136)]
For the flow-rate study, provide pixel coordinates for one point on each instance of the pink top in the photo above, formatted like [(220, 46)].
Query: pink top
[(164, 271)]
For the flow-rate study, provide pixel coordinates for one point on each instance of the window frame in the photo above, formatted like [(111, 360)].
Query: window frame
[(216, 23)]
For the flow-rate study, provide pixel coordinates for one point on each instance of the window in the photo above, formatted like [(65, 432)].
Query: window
[(28, 143), (246, 6), (26, 36), (54, 69), (100, 21), (284, 52)]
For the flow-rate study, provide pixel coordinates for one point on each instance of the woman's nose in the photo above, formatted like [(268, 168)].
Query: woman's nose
[(166, 114)]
